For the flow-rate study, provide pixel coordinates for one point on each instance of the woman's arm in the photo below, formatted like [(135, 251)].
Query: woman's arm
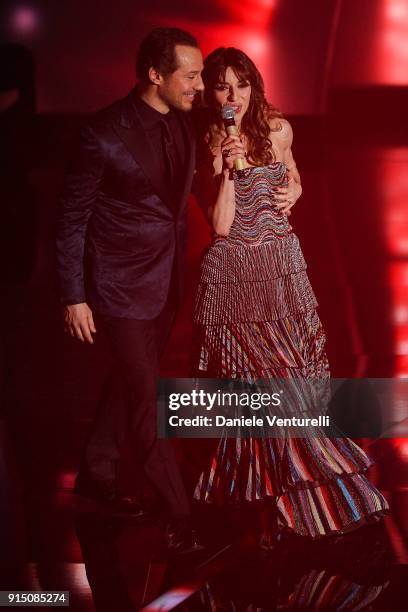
[(287, 196), (224, 208), (223, 212), (215, 195), (214, 186)]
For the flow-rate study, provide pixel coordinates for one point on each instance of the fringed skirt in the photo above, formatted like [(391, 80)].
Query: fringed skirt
[(255, 318)]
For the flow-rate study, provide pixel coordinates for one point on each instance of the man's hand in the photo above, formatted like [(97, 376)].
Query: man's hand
[(287, 196), (78, 322)]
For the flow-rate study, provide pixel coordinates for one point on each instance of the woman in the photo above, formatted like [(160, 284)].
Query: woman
[(255, 314)]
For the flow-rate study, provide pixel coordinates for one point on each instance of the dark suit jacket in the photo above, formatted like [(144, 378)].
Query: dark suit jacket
[(118, 234)]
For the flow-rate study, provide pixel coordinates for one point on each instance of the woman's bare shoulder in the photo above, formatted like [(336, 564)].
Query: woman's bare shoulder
[(281, 130)]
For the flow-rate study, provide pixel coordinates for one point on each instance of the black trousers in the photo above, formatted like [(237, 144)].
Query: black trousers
[(129, 408)]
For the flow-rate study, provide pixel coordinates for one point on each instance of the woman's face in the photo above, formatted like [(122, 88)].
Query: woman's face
[(235, 92)]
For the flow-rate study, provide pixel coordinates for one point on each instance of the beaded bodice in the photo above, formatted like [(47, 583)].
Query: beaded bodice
[(256, 219), (257, 272)]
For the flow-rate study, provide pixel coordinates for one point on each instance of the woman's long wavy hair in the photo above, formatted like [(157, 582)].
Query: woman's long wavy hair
[(256, 121)]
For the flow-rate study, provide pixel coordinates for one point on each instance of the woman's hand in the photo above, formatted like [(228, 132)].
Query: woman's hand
[(287, 196), (232, 149)]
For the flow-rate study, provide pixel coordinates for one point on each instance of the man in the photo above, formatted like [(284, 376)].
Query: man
[(120, 247)]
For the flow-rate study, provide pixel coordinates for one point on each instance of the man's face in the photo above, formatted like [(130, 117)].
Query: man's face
[(179, 88)]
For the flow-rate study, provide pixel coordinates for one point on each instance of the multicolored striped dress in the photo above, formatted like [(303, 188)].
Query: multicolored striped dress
[(255, 318)]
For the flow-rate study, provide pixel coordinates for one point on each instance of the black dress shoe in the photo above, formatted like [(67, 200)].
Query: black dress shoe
[(130, 506), (182, 539), (104, 491)]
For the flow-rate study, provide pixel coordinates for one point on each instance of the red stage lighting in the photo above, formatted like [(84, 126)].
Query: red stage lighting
[(254, 13), (24, 20), (392, 44)]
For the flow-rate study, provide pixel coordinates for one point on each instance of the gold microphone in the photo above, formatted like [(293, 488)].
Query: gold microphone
[(228, 117)]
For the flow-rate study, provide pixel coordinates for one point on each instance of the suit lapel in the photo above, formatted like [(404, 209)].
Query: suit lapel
[(131, 131)]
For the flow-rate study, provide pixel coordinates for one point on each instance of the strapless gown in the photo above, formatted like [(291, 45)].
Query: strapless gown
[(255, 318)]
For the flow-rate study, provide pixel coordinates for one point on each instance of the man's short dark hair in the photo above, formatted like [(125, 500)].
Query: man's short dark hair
[(157, 50)]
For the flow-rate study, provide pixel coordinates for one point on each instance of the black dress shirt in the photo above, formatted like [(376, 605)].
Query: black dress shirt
[(167, 138)]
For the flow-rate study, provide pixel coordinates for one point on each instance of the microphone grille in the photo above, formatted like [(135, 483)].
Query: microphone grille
[(227, 113)]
